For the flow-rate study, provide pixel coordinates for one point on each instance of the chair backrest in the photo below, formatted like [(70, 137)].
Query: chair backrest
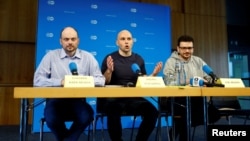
[(226, 102), (244, 102), (233, 102)]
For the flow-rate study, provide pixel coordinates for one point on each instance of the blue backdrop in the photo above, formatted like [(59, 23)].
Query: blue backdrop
[(98, 22)]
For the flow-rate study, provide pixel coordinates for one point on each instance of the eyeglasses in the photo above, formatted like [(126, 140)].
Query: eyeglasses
[(186, 48)]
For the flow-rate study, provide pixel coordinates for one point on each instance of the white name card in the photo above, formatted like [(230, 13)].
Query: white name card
[(76, 81), (232, 82), (150, 81)]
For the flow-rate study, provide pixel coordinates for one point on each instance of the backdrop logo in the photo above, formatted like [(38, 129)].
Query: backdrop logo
[(50, 18), (133, 25), (94, 6), (93, 37), (133, 10), (93, 21), (51, 2), (49, 34)]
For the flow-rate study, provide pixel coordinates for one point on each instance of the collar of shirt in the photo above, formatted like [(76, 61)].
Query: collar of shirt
[(64, 55)]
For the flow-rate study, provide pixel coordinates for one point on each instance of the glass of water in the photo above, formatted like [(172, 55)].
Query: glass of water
[(170, 80)]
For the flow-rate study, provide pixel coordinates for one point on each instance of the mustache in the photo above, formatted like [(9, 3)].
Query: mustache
[(70, 45)]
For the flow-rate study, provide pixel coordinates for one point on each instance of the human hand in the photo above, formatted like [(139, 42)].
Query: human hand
[(110, 64), (157, 68), (62, 82)]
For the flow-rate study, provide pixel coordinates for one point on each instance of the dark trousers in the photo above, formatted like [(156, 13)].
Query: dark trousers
[(134, 106), (58, 111)]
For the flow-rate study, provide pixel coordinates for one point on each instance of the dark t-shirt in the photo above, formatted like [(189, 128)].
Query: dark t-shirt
[(123, 73)]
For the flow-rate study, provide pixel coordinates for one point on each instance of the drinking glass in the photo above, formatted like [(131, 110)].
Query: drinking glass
[(170, 80)]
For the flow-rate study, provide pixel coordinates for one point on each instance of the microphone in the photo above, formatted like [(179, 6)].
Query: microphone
[(215, 79), (210, 72), (73, 68), (196, 81), (199, 82), (136, 69)]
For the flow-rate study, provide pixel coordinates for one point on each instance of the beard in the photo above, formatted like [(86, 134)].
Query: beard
[(70, 50)]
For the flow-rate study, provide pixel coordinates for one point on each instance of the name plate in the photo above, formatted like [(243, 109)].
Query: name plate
[(76, 81), (149, 82), (232, 82)]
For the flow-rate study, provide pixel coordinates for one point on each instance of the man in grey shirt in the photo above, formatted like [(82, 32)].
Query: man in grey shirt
[(192, 66)]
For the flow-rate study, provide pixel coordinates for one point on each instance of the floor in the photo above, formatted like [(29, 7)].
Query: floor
[(11, 133)]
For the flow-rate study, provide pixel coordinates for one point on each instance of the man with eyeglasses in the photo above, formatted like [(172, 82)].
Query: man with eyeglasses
[(193, 67)]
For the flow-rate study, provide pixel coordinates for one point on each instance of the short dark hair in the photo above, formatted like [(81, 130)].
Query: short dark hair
[(185, 38)]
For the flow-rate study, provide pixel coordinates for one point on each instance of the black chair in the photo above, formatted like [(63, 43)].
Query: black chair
[(167, 109), (237, 107), (165, 115), (213, 114), (228, 107), (165, 112)]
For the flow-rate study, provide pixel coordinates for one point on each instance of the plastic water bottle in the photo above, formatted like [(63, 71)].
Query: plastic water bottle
[(170, 79), (180, 74), (177, 73)]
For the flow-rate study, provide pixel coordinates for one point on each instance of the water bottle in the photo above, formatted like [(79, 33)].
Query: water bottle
[(177, 73), (180, 74), (170, 79)]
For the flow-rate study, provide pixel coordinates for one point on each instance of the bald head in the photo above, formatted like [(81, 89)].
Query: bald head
[(124, 33), (125, 42), (69, 31)]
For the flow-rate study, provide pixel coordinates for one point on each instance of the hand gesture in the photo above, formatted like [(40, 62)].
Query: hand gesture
[(157, 68), (110, 64)]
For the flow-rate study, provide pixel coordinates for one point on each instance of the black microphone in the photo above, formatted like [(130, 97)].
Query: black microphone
[(210, 72), (199, 82), (73, 68), (136, 69), (215, 80)]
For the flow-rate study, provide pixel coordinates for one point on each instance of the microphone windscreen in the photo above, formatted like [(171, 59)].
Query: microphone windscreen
[(72, 66), (196, 81), (207, 69), (136, 69)]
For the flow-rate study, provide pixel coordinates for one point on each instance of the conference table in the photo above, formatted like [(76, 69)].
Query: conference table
[(218, 91), (58, 92), (25, 93)]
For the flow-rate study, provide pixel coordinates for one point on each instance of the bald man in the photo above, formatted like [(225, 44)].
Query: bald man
[(116, 68)]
